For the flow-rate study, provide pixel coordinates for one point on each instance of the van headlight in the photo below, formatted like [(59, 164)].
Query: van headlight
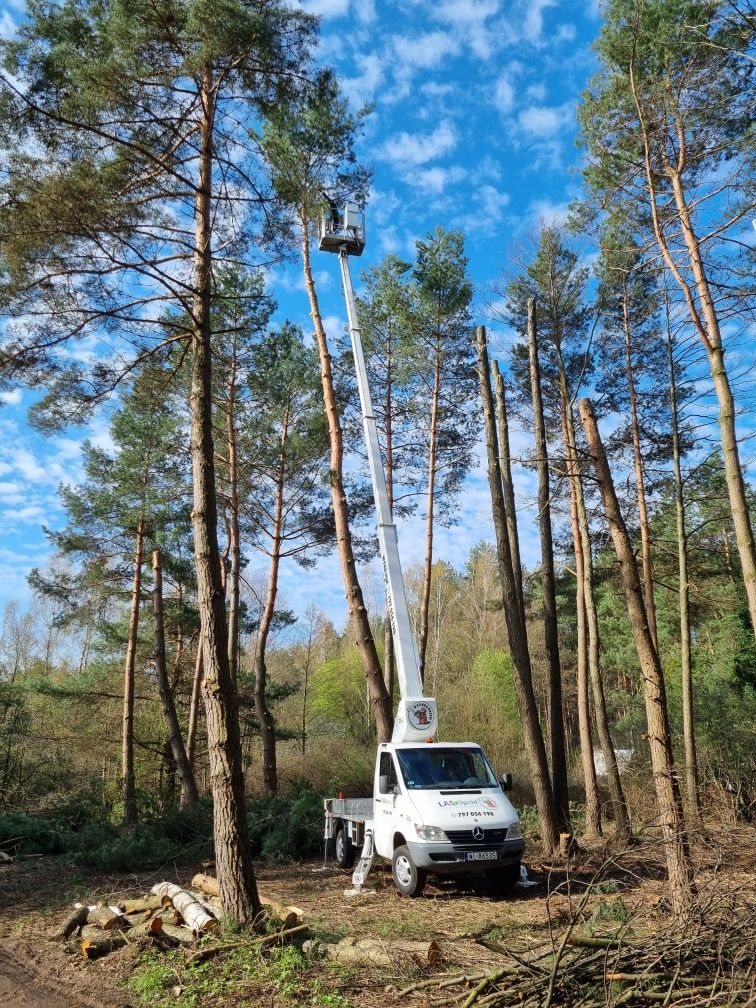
[(514, 832), (434, 833)]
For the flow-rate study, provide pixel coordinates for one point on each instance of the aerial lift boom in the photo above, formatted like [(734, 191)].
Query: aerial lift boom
[(416, 718)]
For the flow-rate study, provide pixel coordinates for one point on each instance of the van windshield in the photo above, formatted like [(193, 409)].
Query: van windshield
[(437, 768)]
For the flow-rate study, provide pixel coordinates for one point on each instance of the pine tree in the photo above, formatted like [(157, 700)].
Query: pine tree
[(129, 177), (309, 149), (287, 514), (441, 293), (671, 109), (129, 501)]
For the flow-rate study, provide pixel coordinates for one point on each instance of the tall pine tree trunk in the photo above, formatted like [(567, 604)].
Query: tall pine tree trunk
[(516, 629), (234, 534), (264, 716), (590, 782), (601, 717), (379, 698), (679, 867), (189, 794), (422, 644), (703, 315), (238, 889), (692, 801), (128, 786), (507, 484), (194, 706), (640, 476), (550, 626)]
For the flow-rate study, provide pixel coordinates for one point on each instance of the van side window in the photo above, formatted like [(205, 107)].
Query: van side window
[(386, 768)]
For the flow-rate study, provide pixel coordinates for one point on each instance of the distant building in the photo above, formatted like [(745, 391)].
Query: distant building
[(623, 757)]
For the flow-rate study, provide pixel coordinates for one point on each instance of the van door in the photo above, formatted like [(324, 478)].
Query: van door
[(384, 803)]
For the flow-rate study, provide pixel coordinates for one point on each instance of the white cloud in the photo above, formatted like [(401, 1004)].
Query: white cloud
[(545, 211), (8, 25), (492, 202), (533, 24), (435, 180), (334, 326), (33, 514), (407, 150), (504, 94), (543, 121), (326, 8), (28, 466), (365, 11), (361, 89), (469, 17), (487, 168), (566, 33), (12, 397), (435, 90), (423, 52)]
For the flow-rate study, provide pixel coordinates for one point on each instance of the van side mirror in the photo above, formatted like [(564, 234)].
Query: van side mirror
[(383, 784), (506, 782)]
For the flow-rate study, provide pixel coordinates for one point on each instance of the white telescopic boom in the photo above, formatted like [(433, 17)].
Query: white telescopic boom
[(416, 718)]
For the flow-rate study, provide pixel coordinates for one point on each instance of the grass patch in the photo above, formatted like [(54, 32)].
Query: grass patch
[(244, 976)]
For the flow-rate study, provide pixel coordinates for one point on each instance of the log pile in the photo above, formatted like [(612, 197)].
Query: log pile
[(167, 917)]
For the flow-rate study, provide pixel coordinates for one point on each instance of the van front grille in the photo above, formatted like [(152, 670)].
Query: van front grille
[(464, 838)]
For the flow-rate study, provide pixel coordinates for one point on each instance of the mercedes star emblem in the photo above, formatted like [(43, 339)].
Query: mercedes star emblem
[(478, 833)]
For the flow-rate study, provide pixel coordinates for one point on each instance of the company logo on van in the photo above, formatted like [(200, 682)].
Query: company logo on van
[(467, 802), (420, 715)]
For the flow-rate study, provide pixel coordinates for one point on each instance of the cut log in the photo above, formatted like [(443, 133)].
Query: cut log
[(150, 902), (108, 918), (5, 858), (290, 915), (73, 922), (205, 901), (194, 914), (206, 884), (150, 927), (371, 952), (182, 935), (96, 943)]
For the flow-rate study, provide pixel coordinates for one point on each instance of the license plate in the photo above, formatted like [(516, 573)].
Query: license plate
[(480, 855)]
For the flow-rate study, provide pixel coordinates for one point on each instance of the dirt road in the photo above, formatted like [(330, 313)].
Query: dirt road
[(23, 984)]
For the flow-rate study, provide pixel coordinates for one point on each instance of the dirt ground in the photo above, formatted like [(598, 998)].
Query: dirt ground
[(38, 971)]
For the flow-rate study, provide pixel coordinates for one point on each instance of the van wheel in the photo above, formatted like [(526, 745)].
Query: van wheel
[(408, 878), (343, 847), (501, 881)]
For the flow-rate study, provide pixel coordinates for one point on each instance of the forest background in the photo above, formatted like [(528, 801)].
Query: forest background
[(613, 298)]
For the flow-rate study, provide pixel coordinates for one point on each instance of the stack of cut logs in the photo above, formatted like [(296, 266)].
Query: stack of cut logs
[(168, 916)]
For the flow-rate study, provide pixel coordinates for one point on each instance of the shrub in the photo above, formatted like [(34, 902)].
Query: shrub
[(287, 827)]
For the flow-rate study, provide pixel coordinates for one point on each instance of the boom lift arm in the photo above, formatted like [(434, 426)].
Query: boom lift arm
[(417, 718)]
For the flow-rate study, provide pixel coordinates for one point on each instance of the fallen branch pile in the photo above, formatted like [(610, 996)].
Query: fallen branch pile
[(167, 917), (706, 965)]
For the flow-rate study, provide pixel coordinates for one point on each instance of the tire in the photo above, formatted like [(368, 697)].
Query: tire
[(501, 881), (408, 878), (343, 848)]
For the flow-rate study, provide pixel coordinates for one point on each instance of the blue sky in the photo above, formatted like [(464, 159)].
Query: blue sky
[(473, 128)]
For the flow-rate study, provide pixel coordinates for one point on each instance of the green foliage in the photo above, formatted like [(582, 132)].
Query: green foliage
[(607, 912), (287, 827), (338, 695), (84, 830)]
